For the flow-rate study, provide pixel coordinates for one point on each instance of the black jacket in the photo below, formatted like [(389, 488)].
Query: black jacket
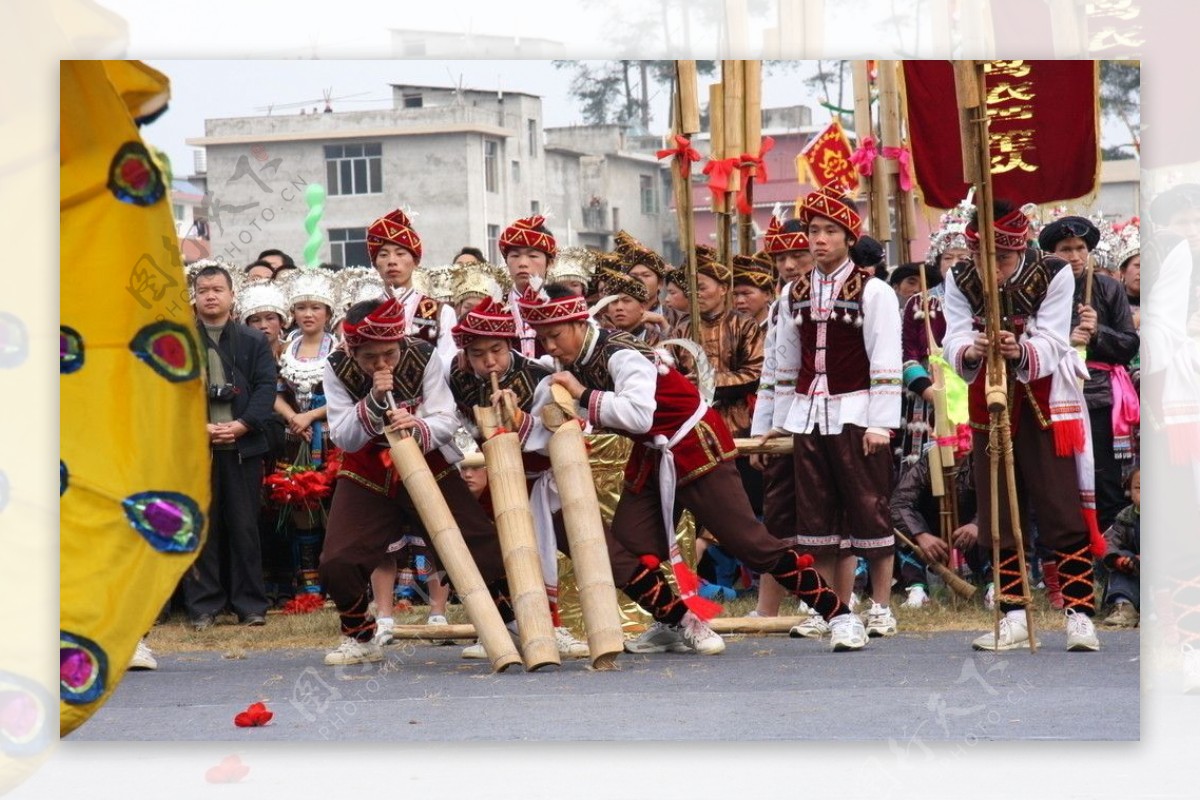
[(253, 376), (1116, 340)]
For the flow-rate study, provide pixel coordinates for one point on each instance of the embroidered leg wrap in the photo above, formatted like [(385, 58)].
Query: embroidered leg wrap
[(648, 589), (1010, 593), (355, 622), (1075, 574), (500, 594), (794, 571)]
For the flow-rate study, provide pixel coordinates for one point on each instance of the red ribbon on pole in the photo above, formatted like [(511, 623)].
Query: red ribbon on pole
[(718, 172), (901, 155), (863, 158), (759, 167), (684, 152)]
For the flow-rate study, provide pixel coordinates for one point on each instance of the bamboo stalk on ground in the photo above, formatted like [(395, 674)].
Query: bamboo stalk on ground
[(518, 540), (585, 532)]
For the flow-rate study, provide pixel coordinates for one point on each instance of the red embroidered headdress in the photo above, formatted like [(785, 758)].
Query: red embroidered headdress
[(537, 309), (487, 320), (523, 234), (776, 240), (384, 324), (827, 202), (393, 228), (1012, 231)]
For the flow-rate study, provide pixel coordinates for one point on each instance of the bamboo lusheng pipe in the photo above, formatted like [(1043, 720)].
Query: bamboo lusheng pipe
[(955, 582), (451, 549), (776, 446), (721, 625), (518, 541), (971, 90), (941, 456), (585, 533), (686, 123)]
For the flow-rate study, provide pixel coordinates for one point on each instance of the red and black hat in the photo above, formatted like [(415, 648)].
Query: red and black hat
[(615, 282), (1011, 231), (634, 252), (393, 228), (538, 309), (779, 240), (385, 324), (524, 233), (488, 320), (831, 202)]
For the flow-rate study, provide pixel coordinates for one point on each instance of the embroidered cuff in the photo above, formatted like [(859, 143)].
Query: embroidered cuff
[(423, 434), (371, 421)]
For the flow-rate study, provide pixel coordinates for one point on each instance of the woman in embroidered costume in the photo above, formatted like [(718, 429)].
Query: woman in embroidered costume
[(838, 334), (301, 402), (1051, 441), (262, 305), (682, 456)]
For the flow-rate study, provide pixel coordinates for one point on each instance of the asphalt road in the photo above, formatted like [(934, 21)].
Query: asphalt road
[(908, 689)]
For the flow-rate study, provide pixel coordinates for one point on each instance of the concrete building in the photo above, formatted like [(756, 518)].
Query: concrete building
[(464, 163)]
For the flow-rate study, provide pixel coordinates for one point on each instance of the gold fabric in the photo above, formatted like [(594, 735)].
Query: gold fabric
[(609, 453)]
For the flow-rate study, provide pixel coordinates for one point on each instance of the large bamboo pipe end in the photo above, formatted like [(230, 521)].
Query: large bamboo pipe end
[(606, 662), (997, 399)]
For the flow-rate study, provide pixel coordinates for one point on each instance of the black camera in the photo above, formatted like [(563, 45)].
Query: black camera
[(223, 393)]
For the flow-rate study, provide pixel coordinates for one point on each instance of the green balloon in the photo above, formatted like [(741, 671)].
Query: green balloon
[(314, 194)]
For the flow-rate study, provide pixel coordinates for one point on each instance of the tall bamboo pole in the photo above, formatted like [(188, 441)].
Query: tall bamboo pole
[(752, 145), (686, 122), (874, 186), (969, 80)]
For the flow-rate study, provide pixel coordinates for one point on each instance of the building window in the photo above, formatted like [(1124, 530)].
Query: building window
[(348, 247), (413, 100), (491, 172), (354, 169), (535, 207), (516, 170), (493, 244), (177, 212), (532, 137), (649, 196)]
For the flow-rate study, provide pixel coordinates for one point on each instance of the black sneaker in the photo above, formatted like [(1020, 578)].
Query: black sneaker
[(202, 622)]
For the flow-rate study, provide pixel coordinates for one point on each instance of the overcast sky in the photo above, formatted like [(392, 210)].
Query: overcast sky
[(208, 89)]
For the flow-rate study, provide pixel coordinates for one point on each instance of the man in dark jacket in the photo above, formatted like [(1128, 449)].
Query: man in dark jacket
[(241, 394), (1105, 327)]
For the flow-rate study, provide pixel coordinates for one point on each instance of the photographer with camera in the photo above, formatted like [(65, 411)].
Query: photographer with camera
[(241, 396)]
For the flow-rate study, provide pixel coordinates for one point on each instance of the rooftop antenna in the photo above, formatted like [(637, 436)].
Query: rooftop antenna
[(327, 97), (328, 93)]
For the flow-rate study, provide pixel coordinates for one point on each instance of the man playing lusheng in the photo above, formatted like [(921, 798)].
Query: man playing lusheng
[(683, 456)]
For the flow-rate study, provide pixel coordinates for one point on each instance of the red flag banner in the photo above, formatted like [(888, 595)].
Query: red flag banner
[(827, 157), (1044, 130)]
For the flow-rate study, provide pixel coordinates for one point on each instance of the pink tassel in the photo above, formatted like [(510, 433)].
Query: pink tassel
[(1069, 437), (1096, 541)]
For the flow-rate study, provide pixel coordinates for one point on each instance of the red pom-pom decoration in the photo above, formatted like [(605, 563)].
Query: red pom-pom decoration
[(650, 560), (256, 714)]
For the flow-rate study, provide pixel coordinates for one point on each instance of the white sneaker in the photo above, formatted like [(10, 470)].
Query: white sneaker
[(568, 645), (847, 632), (657, 639), (699, 637), (804, 609), (1081, 634), (917, 597), (353, 652), (1013, 634), (383, 631), (1191, 669), (437, 620), (475, 651), (880, 621), (815, 628), (143, 658)]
